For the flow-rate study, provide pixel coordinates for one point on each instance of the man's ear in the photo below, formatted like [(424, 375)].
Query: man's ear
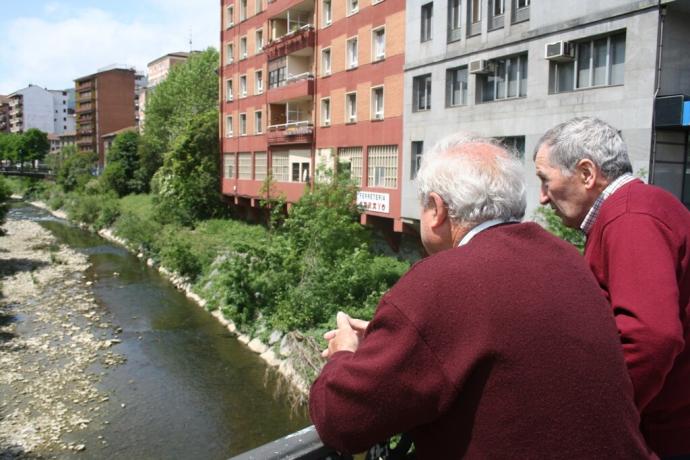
[(440, 211), (588, 173)]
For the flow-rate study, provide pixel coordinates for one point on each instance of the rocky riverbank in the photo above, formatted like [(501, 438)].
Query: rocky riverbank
[(55, 345)]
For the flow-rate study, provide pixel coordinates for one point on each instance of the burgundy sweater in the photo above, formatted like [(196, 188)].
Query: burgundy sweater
[(639, 250), (503, 348)]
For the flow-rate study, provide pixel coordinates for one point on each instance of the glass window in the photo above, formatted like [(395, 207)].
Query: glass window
[(379, 40), (475, 11), (453, 20), (228, 126), (243, 48), (352, 6), (498, 7), (617, 59), (258, 82), (259, 40), (228, 90), (243, 86), (260, 165), (427, 15), (244, 165), (383, 166), (377, 103), (243, 10), (229, 166), (327, 13), (421, 93), (351, 107), (325, 111), (326, 61), (350, 159), (258, 122), (243, 124), (229, 53), (456, 86), (352, 53), (508, 79), (417, 150)]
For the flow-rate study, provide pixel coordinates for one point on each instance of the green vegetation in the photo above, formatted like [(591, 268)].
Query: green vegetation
[(555, 225), (123, 162), (5, 194), (28, 146)]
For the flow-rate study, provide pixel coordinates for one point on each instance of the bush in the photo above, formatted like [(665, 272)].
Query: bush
[(75, 171), (5, 194), (555, 225), (177, 255), (143, 234), (96, 210)]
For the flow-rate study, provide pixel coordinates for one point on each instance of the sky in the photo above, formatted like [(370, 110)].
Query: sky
[(51, 43)]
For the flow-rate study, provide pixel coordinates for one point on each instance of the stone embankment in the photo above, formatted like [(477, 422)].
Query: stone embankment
[(55, 346)]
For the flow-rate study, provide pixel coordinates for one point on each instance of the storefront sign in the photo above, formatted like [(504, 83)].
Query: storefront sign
[(377, 202)]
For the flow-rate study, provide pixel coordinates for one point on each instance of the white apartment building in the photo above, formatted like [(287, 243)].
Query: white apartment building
[(40, 108)]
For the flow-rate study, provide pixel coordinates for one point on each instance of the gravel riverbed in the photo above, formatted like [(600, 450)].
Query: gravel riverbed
[(56, 344)]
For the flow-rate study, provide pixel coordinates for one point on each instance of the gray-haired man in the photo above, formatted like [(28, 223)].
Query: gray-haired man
[(498, 345), (638, 247)]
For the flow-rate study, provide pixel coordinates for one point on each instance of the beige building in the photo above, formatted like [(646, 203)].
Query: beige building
[(158, 70), (4, 114)]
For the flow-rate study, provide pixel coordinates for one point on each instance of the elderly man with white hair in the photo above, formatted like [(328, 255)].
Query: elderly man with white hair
[(498, 345)]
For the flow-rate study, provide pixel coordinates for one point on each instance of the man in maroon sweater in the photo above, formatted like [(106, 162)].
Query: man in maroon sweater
[(638, 247), (498, 345)]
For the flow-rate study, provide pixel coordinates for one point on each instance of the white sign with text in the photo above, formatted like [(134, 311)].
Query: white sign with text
[(371, 201)]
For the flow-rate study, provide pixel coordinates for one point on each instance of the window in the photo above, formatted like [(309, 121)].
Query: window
[(351, 107), (474, 17), (671, 163), (230, 16), (259, 6), (259, 40), (378, 39), (228, 90), (228, 126), (352, 6), (383, 166), (417, 150), (598, 62), (300, 171), (496, 11), (453, 20), (258, 82), (258, 122), (327, 12), (456, 86), (243, 10), (521, 10), (352, 53), (277, 69), (377, 103), (421, 89), (325, 111), (229, 53), (350, 160), (243, 48), (243, 124), (280, 166), (326, 61), (244, 165), (229, 166), (515, 145), (427, 14), (243, 86), (260, 165), (507, 79)]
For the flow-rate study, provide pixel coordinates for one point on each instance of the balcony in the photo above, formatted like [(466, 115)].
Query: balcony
[(290, 43), (88, 131), (299, 132), (85, 85), (86, 108), (295, 86), (85, 97)]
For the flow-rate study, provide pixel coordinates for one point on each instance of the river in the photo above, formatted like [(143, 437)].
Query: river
[(186, 388)]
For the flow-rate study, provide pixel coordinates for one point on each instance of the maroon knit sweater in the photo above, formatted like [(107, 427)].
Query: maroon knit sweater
[(503, 348), (639, 250)]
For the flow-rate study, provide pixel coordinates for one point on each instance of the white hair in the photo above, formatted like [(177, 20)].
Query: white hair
[(476, 186), (590, 138)]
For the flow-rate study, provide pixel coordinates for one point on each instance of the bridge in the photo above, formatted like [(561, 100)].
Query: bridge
[(37, 173)]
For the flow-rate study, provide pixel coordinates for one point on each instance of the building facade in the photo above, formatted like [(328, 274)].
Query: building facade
[(4, 114), (157, 71), (40, 108), (309, 85), (510, 69), (105, 103)]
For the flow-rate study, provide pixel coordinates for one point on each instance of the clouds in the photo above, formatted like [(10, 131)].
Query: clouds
[(64, 43)]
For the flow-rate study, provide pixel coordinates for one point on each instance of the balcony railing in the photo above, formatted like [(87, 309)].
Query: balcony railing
[(85, 86), (291, 42), (296, 132), (295, 86)]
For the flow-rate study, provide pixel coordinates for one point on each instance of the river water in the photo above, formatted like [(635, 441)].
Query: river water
[(188, 388)]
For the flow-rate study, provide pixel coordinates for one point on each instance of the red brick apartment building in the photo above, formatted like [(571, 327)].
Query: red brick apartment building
[(307, 83), (105, 103)]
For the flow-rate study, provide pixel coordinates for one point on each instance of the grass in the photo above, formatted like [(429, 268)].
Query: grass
[(139, 205)]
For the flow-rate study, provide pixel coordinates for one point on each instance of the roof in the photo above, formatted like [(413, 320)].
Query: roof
[(123, 130), (178, 54), (118, 69)]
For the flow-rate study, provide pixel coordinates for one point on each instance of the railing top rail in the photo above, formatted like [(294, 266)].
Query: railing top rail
[(302, 445)]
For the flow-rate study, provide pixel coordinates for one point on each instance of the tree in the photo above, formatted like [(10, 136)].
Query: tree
[(75, 171), (123, 161), (34, 145), (9, 146), (187, 186), (5, 194), (190, 89)]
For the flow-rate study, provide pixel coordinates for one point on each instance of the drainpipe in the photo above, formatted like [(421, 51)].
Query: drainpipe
[(657, 86), (221, 133), (315, 105)]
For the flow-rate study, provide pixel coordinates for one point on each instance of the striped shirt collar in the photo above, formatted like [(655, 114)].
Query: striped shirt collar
[(610, 189)]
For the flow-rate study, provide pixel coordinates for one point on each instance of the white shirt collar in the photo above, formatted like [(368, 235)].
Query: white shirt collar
[(481, 227)]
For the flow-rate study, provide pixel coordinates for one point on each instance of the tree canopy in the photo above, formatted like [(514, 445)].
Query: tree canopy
[(122, 164)]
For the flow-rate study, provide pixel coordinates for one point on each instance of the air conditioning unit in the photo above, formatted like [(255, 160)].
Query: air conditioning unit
[(481, 66), (560, 51)]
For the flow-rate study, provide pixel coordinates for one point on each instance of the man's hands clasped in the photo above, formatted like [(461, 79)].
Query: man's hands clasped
[(346, 337)]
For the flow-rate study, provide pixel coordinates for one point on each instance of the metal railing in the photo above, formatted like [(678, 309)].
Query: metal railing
[(306, 445)]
